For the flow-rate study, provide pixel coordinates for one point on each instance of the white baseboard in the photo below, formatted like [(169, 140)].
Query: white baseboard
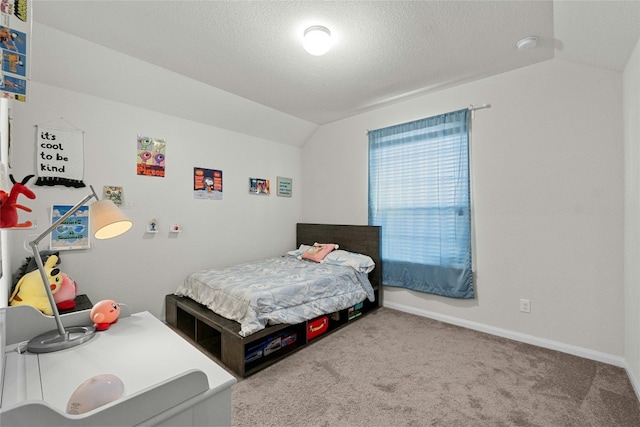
[(634, 381), (516, 336)]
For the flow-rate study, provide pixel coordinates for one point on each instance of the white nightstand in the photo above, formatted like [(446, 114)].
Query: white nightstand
[(167, 381)]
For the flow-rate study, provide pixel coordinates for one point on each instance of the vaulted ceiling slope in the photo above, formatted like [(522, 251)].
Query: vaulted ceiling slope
[(246, 70)]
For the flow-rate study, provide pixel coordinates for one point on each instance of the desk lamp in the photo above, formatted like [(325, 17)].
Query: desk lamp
[(107, 221)]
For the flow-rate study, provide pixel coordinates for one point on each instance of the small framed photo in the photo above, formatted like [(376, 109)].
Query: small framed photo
[(113, 193), (73, 233), (259, 186), (284, 186), (207, 183)]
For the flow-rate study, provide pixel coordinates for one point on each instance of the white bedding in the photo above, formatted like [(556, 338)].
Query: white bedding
[(276, 290)]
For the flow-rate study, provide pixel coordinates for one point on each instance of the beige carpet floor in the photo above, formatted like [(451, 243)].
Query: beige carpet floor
[(391, 368)]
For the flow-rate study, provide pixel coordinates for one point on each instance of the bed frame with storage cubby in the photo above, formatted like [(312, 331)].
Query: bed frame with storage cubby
[(219, 337)]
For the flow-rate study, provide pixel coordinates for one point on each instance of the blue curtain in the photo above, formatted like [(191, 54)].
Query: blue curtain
[(419, 193)]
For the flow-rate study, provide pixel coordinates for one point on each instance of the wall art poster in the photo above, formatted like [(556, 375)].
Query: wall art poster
[(284, 186), (59, 156), (14, 38), (259, 186), (207, 183), (73, 233), (114, 193), (151, 156)]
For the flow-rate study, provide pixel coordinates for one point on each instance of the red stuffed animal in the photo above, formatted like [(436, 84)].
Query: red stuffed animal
[(9, 206)]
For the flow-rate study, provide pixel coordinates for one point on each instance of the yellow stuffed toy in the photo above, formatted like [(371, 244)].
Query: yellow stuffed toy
[(30, 291)]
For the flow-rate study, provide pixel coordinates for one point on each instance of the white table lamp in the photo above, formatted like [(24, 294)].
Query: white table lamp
[(107, 222)]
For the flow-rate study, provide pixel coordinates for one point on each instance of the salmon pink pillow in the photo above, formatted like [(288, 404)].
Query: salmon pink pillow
[(318, 251)]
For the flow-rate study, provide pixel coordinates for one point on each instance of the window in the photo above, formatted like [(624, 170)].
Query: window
[(419, 193)]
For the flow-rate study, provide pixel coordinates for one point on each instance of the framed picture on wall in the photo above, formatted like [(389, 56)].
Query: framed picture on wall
[(207, 183), (259, 186), (73, 233), (284, 186)]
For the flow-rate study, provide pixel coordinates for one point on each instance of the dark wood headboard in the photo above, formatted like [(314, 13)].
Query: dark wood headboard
[(362, 239)]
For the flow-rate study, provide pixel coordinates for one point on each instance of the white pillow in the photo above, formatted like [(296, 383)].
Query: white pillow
[(298, 252), (359, 262)]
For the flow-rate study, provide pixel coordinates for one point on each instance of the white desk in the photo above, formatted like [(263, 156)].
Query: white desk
[(167, 381)]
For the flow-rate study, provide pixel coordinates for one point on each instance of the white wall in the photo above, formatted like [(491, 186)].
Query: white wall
[(631, 102), (548, 197), (548, 200), (138, 268)]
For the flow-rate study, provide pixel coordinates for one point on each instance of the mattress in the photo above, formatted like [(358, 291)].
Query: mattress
[(276, 290)]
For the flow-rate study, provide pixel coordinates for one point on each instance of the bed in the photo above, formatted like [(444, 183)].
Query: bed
[(228, 314)]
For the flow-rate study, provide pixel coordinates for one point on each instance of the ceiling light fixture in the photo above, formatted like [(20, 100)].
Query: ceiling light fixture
[(527, 43), (317, 40)]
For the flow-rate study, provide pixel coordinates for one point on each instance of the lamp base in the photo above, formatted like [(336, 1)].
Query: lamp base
[(52, 341)]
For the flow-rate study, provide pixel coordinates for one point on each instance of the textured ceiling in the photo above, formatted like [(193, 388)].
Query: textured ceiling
[(384, 51)]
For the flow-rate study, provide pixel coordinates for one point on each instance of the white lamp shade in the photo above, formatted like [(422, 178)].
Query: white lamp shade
[(317, 40), (107, 220)]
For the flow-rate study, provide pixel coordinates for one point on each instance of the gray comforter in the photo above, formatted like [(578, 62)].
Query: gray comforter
[(276, 290)]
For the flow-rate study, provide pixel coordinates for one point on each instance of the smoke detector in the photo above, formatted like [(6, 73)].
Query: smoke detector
[(527, 43)]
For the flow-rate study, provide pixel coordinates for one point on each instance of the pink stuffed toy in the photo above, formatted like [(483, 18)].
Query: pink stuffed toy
[(104, 313), (65, 298)]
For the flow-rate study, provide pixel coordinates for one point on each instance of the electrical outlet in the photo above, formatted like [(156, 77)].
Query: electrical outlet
[(525, 306)]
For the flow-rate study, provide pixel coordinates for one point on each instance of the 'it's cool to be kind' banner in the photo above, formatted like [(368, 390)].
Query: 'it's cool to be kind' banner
[(59, 156)]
